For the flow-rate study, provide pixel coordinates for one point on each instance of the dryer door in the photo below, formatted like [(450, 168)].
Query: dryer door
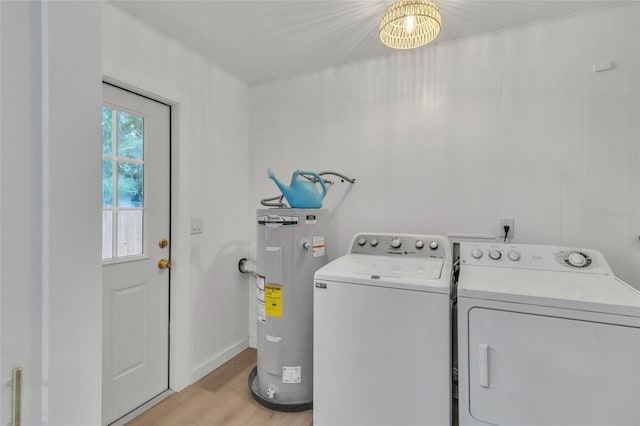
[(540, 370)]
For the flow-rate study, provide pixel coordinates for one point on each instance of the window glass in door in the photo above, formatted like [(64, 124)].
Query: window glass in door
[(123, 179)]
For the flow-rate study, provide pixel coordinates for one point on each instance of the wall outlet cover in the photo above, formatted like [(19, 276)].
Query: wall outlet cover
[(510, 222)]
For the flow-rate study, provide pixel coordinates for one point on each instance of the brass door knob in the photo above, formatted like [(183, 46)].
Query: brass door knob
[(164, 264)]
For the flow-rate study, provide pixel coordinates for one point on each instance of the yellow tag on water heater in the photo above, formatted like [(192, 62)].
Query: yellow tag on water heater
[(273, 300)]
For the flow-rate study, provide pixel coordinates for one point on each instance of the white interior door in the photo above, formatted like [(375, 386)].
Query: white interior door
[(135, 234)]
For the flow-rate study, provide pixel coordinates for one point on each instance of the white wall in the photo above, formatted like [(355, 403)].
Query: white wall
[(72, 249), (450, 138), (51, 277), (72, 274), (211, 180), (20, 204)]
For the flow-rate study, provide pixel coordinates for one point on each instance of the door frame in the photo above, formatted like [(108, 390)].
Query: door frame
[(180, 248)]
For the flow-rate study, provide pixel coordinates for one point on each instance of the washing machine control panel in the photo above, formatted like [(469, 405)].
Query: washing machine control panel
[(530, 256), (410, 245)]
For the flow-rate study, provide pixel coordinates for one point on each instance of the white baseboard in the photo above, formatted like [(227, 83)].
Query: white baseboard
[(141, 409), (217, 360), (253, 342)]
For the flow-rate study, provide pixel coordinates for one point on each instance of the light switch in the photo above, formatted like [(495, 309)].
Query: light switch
[(197, 225)]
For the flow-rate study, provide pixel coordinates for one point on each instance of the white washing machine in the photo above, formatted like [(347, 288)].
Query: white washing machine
[(546, 336), (381, 343)]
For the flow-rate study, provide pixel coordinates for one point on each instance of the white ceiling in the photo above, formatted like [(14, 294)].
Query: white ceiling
[(264, 40)]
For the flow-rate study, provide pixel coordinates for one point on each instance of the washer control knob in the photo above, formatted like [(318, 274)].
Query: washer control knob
[(373, 242), (419, 244), (396, 243), (362, 241), (514, 255), (476, 253), (577, 259), (433, 245), (495, 254)]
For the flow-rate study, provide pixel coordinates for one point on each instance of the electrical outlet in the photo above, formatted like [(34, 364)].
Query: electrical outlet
[(510, 222)]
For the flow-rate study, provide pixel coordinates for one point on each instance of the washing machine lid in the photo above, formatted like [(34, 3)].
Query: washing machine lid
[(570, 290), (430, 275)]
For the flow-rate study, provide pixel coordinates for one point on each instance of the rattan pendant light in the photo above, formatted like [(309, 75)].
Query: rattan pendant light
[(408, 24)]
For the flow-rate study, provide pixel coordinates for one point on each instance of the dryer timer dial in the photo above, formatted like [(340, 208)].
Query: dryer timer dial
[(577, 259)]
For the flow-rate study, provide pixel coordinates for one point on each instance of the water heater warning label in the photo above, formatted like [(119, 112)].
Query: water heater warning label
[(291, 374), (273, 300), (318, 245)]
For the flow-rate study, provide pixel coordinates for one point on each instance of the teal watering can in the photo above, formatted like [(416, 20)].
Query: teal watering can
[(302, 194)]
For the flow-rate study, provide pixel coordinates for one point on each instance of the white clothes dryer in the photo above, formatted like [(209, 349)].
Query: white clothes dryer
[(382, 333), (546, 336)]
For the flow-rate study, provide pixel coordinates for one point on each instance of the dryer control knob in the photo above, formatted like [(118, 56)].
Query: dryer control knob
[(419, 244), (362, 241), (476, 253), (495, 254), (514, 255), (433, 245), (373, 242), (577, 259), (396, 243)]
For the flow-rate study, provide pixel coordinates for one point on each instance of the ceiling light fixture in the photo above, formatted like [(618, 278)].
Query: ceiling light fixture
[(408, 24)]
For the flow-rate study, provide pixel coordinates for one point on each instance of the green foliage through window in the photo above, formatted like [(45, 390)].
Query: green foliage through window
[(130, 136), (107, 131), (107, 183), (130, 184)]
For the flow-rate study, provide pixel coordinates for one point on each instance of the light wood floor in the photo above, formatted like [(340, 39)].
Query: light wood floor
[(220, 398)]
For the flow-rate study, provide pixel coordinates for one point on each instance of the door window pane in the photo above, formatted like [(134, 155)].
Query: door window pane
[(107, 130), (130, 136), (129, 233), (130, 184), (107, 183), (107, 234)]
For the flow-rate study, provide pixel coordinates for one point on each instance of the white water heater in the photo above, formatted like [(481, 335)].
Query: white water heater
[(290, 249)]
